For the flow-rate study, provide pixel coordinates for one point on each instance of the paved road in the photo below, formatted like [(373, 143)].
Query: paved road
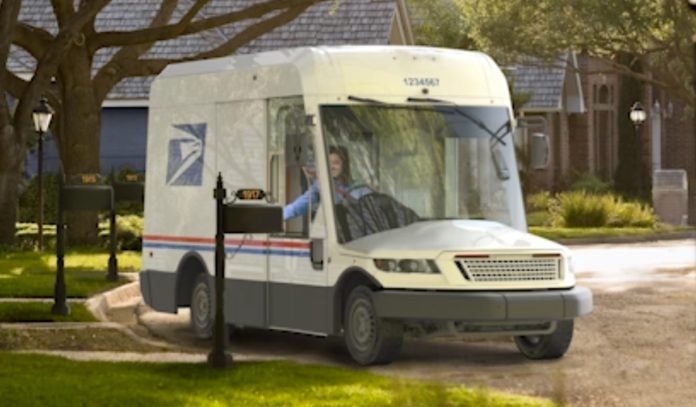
[(615, 267), (638, 347)]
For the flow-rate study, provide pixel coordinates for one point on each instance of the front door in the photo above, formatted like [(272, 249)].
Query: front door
[(298, 296)]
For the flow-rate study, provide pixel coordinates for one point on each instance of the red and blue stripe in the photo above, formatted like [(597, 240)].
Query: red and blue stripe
[(286, 247)]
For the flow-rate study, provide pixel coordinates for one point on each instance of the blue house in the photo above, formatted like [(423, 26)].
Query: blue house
[(124, 114)]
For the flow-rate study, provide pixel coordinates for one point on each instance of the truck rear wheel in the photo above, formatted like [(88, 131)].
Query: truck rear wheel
[(202, 307), (369, 339), (551, 346)]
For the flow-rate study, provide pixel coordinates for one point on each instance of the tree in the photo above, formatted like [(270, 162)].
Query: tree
[(644, 41), (79, 90), (15, 127), (656, 32), (439, 23)]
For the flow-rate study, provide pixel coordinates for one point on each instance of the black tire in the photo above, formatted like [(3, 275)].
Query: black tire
[(551, 346), (202, 308), (369, 339)]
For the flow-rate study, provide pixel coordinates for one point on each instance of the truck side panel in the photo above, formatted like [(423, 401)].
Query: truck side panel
[(179, 210)]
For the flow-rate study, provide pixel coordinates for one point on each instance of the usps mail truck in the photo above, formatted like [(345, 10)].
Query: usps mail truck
[(404, 213)]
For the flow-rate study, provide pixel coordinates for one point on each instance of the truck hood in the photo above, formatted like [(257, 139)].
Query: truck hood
[(428, 239)]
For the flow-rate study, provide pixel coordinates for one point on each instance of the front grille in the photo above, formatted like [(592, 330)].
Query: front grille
[(510, 269)]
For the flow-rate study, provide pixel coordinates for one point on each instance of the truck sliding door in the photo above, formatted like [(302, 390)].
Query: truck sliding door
[(241, 157)]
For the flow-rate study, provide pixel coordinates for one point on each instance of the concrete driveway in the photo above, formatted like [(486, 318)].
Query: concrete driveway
[(637, 348)]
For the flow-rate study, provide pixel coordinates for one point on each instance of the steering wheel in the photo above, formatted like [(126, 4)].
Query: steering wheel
[(357, 186)]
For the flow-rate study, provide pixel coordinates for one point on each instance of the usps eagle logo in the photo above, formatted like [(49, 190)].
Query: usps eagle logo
[(185, 158)]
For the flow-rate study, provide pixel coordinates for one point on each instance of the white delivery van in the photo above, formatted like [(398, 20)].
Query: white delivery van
[(397, 169)]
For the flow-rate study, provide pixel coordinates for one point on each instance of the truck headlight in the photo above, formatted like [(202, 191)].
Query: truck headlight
[(407, 266)]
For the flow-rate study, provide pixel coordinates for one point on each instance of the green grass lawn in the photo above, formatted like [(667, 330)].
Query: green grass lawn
[(65, 382), (554, 233), (41, 312), (32, 274)]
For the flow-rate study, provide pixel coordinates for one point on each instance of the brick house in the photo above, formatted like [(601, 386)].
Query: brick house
[(583, 134), (554, 93)]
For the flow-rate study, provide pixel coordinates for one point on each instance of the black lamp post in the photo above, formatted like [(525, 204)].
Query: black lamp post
[(638, 115), (42, 114)]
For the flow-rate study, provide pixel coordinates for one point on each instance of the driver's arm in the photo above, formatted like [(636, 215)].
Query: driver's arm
[(300, 206)]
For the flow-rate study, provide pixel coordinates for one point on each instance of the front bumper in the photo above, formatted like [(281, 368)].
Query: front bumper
[(498, 306)]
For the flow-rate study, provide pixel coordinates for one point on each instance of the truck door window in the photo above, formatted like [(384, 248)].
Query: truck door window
[(292, 164)]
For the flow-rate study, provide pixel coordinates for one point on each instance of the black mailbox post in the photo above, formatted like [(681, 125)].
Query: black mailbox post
[(86, 194), (231, 218)]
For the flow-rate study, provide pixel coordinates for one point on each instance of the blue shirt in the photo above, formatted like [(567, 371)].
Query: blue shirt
[(300, 206)]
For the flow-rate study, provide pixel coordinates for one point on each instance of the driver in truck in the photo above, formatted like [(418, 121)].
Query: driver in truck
[(339, 167)]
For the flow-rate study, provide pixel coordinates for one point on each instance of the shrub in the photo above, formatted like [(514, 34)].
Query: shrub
[(632, 214), (29, 201), (129, 232), (591, 183), (577, 209), (540, 201), (538, 218), (582, 209)]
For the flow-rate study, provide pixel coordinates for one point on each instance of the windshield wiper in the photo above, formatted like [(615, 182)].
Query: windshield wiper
[(366, 100), (493, 134)]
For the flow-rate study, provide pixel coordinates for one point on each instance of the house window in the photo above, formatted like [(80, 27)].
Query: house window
[(603, 95), (603, 132)]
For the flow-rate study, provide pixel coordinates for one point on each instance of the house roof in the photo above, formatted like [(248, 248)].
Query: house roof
[(545, 81), (328, 23)]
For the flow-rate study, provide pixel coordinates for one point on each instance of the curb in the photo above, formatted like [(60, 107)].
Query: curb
[(628, 239), (123, 296), (43, 300), (149, 357)]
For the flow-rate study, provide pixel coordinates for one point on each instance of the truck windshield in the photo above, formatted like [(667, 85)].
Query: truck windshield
[(393, 165)]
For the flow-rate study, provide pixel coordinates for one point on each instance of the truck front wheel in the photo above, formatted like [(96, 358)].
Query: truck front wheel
[(369, 339), (202, 307), (551, 346)]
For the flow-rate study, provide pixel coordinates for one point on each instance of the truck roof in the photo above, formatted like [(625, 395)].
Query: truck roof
[(347, 70)]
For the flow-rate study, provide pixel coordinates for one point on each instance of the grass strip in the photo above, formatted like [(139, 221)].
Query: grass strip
[(32, 274), (553, 233), (41, 312), (71, 383), (94, 338)]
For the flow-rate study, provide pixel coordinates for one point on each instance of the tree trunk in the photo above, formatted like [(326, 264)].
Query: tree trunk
[(10, 174), (79, 137)]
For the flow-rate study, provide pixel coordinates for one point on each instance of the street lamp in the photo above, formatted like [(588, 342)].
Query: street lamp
[(42, 114), (638, 115)]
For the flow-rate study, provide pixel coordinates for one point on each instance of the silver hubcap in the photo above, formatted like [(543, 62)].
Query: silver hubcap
[(532, 340), (362, 325), (201, 304)]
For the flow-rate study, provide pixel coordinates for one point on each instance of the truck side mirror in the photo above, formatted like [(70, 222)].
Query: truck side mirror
[(539, 151)]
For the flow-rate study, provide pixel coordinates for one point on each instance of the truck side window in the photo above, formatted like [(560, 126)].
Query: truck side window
[(292, 162)]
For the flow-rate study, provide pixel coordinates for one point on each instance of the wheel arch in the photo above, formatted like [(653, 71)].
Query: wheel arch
[(349, 279), (190, 266)]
